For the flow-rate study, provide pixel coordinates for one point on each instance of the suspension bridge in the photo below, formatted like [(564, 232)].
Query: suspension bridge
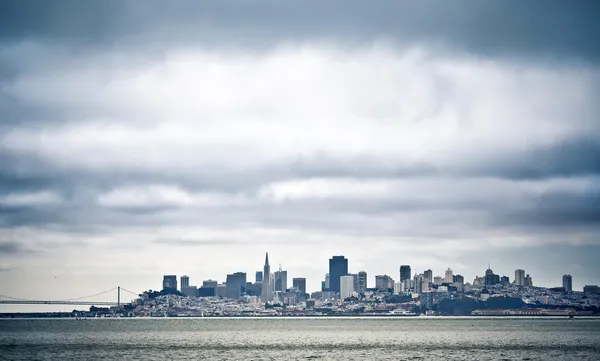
[(104, 298)]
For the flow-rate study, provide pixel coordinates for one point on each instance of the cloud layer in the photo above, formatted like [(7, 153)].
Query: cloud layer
[(387, 143)]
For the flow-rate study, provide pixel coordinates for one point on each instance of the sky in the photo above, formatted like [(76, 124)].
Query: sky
[(140, 138)]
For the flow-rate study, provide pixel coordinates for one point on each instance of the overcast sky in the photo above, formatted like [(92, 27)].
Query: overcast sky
[(141, 138)]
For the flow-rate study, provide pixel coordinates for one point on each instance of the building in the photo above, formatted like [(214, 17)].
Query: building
[(362, 282), (418, 282), (449, 276), (437, 280), (519, 277), (170, 282), (267, 290), (591, 290), (338, 267), (528, 281), (222, 290), (346, 287), (428, 275), (184, 281), (190, 291), (459, 282), (300, 284), (327, 284), (568, 283), (384, 282), (258, 277), (280, 281), (236, 285), (405, 273), (504, 280), (491, 278), (398, 288)]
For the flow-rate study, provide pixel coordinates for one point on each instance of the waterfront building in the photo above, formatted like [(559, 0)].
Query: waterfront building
[(300, 284), (519, 277), (567, 282), (428, 275), (338, 267), (346, 287), (362, 282), (267, 291), (170, 282), (405, 273)]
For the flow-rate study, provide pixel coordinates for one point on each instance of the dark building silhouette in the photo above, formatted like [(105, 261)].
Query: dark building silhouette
[(207, 291), (568, 283), (338, 267), (405, 273), (504, 280), (491, 278), (300, 284), (236, 285), (259, 276), (170, 282)]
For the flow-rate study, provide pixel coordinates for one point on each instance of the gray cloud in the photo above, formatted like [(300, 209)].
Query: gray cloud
[(539, 27)]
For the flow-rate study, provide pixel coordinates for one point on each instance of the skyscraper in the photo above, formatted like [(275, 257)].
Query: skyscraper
[(519, 277), (280, 280), (185, 282), (428, 275), (267, 291), (170, 282), (568, 283), (235, 285), (259, 276), (449, 276), (362, 282), (338, 267), (300, 284), (405, 273), (384, 282), (346, 287)]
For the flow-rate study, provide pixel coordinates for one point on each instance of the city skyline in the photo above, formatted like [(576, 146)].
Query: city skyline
[(144, 138)]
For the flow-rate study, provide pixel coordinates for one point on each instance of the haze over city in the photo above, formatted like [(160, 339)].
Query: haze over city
[(144, 139)]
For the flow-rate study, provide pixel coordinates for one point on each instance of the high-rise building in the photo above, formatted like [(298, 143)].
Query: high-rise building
[(170, 282), (384, 282), (236, 285), (418, 282), (338, 267), (362, 282), (346, 287), (327, 283), (300, 284), (568, 283), (184, 281), (208, 289), (504, 280), (491, 278), (528, 281), (267, 291), (437, 280), (449, 277), (259, 276), (519, 277), (405, 273), (428, 275), (280, 280)]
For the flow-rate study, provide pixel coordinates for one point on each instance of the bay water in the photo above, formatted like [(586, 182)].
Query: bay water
[(395, 338)]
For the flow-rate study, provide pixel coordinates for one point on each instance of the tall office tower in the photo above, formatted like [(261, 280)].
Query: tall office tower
[(267, 291), (528, 281), (568, 283), (418, 281), (236, 285), (185, 282), (300, 284), (398, 288), (338, 267), (504, 280), (384, 282), (259, 276), (491, 278), (170, 282), (428, 275), (346, 287), (459, 282), (405, 273), (355, 277), (519, 277), (280, 280), (449, 276), (362, 282), (327, 283)]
